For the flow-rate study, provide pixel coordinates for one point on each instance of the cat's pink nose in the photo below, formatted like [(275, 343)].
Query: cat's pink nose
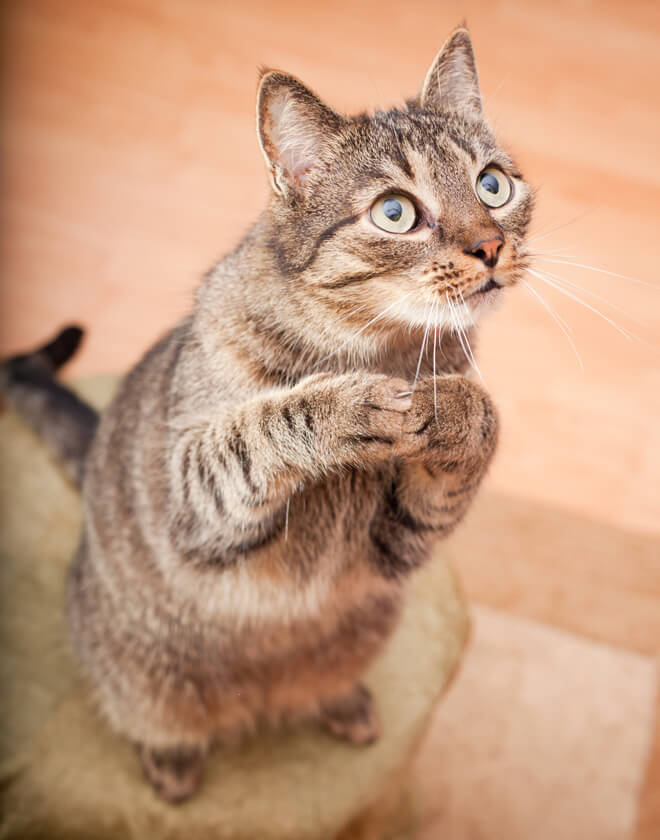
[(487, 250)]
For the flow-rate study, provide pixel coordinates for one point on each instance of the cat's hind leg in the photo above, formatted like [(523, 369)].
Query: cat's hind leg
[(174, 773), (352, 717)]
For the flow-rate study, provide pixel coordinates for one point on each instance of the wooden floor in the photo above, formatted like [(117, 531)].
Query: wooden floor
[(130, 164)]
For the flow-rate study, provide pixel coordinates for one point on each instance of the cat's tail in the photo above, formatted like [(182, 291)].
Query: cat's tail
[(55, 413)]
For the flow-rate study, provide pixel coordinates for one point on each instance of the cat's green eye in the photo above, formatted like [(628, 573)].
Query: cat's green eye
[(493, 187), (394, 213)]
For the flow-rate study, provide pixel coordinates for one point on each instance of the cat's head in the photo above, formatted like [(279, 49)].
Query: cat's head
[(414, 213)]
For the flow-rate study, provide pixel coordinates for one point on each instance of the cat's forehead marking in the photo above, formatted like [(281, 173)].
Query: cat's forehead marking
[(425, 185), (432, 153), (462, 143), (444, 171)]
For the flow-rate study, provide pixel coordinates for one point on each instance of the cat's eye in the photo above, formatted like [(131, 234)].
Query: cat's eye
[(493, 187), (394, 213)]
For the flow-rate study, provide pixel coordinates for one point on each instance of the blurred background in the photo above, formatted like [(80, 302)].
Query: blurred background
[(130, 164)]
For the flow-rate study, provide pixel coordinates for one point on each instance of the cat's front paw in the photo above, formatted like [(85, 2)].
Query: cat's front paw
[(452, 423), (371, 413)]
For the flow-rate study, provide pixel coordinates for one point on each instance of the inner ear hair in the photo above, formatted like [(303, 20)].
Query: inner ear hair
[(293, 127), (452, 83)]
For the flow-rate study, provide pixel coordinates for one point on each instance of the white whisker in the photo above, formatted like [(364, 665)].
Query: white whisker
[(435, 384), (456, 327), (421, 352), (559, 227), (558, 252), (473, 361), (488, 101), (572, 284), (598, 270), (354, 311), (462, 337), (442, 352), (559, 320), (584, 303)]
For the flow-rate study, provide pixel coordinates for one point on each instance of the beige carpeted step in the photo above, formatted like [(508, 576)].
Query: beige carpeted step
[(65, 775)]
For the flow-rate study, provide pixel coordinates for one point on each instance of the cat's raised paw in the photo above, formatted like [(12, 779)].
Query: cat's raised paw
[(372, 409), (452, 421)]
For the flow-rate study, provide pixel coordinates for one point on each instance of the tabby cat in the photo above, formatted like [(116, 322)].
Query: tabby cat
[(274, 469)]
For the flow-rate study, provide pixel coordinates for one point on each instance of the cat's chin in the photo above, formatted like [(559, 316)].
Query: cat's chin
[(445, 315), (484, 301)]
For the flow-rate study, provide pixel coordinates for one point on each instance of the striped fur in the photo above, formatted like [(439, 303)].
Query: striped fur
[(265, 481)]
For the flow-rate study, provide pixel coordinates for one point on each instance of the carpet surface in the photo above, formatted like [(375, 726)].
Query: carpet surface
[(64, 774)]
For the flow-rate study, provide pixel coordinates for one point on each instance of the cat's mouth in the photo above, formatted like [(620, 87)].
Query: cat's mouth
[(489, 286)]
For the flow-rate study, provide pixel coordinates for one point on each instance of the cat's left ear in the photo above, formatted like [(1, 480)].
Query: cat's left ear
[(453, 82), (293, 126)]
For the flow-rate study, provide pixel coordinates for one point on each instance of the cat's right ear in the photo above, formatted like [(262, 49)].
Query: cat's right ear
[(453, 82), (293, 126)]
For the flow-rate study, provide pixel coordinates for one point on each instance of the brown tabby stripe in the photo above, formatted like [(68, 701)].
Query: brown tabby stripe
[(207, 480), (464, 489), (185, 468), (286, 413), (388, 562), (306, 409), (265, 421), (270, 529), (368, 439), (396, 513), (353, 278), (462, 143), (399, 157), (324, 236), (238, 448), (451, 466), (425, 425), (487, 424)]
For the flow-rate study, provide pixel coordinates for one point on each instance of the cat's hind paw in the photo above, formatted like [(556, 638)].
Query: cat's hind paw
[(174, 772), (352, 717)]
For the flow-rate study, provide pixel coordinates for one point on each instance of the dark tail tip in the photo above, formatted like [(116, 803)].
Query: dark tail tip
[(63, 346), (43, 361), (54, 412)]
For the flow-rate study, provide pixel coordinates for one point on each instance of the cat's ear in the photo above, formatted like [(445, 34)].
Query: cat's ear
[(293, 126), (453, 82)]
